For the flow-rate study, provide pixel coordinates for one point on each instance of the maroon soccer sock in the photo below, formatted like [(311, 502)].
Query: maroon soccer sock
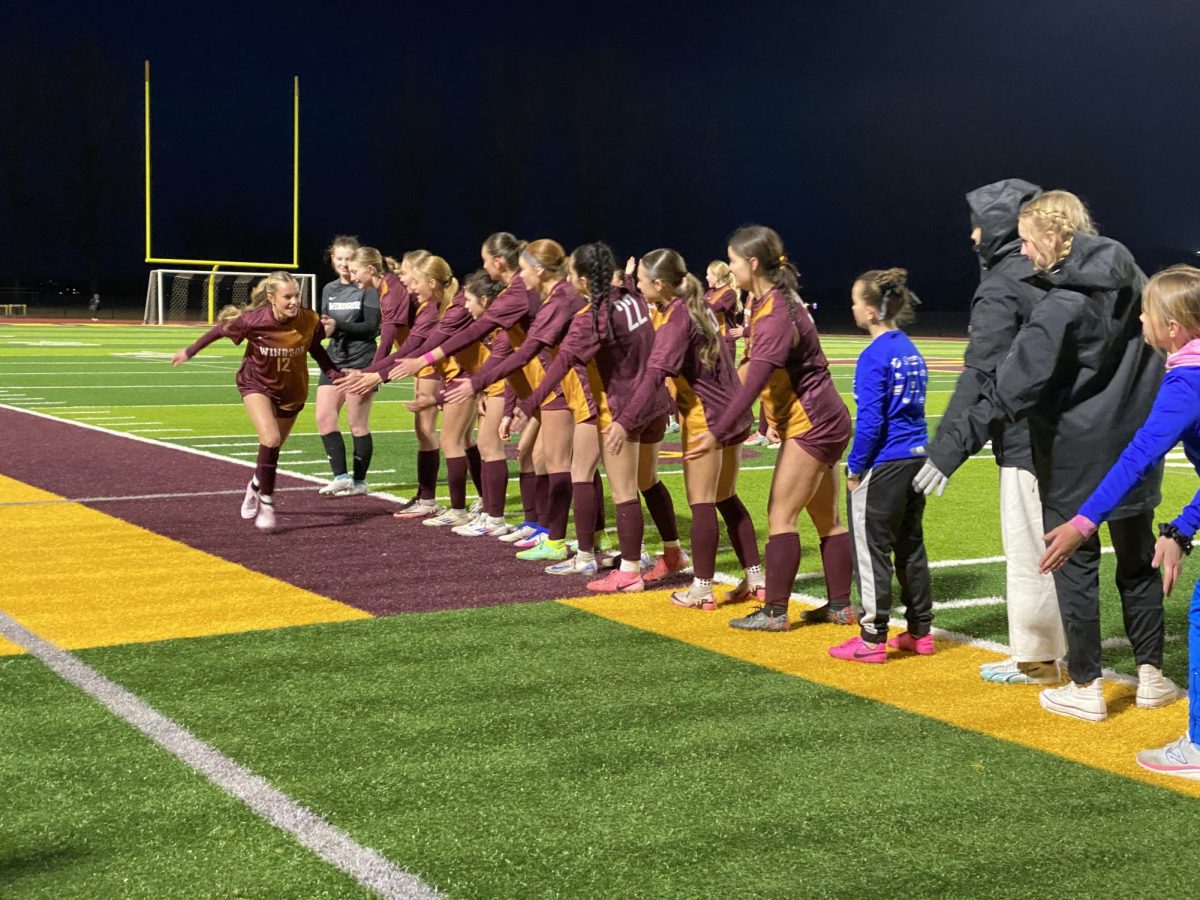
[(428, 462), (662, 511), (762, 420), (475, 461), (529, 495), (456, 481), (558, 504), (264, 469), (704, 540), (495, 486), (631, 528), (741, 530), (542, 499), (783, 561), (598, 485), (839, 568), (584, 493)]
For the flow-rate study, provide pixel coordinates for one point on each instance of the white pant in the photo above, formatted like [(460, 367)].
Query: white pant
[(1035, 629)]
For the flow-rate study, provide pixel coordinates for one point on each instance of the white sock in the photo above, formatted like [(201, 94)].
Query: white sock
[(631, 565), (674, 544), (585, 556), (754, 576)]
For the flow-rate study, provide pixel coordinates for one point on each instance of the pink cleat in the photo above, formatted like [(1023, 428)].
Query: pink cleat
[(857, 650), (616, 582), (909, 644), (673, 559)]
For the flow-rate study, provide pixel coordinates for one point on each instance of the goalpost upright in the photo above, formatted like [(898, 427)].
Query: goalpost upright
[(217, 263)]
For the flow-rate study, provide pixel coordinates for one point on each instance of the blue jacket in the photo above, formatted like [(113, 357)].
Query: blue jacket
[(890, 380), (1174, 417)]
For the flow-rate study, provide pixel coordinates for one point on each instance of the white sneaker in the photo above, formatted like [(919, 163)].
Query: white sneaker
[(476, 507), (1180, 758), (449, 517), (419, 509), (1081, 701), (484, 525), (250, 502), (1012, 672), (755, 440), (338, 487), (1154, 688), (265, 520), (574, 566), (520, 533)]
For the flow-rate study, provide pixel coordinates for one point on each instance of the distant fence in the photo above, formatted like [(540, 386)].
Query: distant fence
[(18, 303)]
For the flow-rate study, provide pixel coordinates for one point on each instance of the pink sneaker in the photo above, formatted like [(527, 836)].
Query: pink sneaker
[(909, 644), (742, 593), (856, 650), (616, 582), (671, 560)]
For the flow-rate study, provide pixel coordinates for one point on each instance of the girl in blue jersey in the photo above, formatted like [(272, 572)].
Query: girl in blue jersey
[(885, 510), (1170, 322)]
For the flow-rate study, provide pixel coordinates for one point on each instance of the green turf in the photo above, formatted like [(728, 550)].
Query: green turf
[(539, 751)]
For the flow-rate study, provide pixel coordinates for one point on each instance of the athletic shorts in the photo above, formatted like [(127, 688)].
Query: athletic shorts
[(284, 409), (651, 432), (828, 443)]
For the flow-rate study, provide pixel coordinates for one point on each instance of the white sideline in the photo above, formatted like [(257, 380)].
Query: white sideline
[(368, 867)]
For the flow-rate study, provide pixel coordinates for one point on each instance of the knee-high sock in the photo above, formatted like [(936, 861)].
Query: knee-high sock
[(783, 561), (364, 449), (741, 530), (428, 462), (558, 504), (264, 469), (529, 495), (335, 452), (839, 568), (456, 481), (762, 419), (542, 498), (704, 540), (475, 461), (631, 528), (495, 486), (584, 494), (662, 511), (598, 484)]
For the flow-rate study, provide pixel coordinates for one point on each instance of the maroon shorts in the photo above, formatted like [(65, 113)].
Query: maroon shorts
[(651, 432), (558, 403), (284, 409), (828, 442)]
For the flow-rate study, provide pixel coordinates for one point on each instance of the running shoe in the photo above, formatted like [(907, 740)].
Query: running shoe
[(673, 559), (250, 502), (339, 485), (838, 615), (573, 566), (265, 518), (765, 618), (1080, 701), (744, 592), (484, 526), (476, 507), (858, 650), (1180, 758), (695, 598), (1012, 672), (545, 549), (533, 540), (1155, 689), (520, 533), (922, 645), (616, 582), (453, 517), (419, 510)]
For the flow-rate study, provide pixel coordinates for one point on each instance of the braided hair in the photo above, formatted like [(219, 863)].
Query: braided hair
[(596, 263), (1053, 218), (887, 290)]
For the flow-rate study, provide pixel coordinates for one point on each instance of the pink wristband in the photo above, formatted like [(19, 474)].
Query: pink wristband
[(1084, 526), (428, 357)]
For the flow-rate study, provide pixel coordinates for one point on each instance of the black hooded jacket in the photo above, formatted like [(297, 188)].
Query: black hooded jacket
[(1082, 376), (1003, 302)]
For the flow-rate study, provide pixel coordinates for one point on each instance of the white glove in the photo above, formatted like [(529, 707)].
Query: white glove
[(930, 480)]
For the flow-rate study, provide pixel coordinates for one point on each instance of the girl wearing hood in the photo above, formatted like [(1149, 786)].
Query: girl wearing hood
[(1171, 323), (1081, 374)]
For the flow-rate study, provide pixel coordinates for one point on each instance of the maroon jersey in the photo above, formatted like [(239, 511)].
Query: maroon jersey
[(274, 363), (789, 369), (700, 392), (537, 349), (723, 302), (395, 314)]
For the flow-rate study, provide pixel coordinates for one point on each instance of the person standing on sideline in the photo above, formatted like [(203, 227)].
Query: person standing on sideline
[(273, 377), (350, 320), (885, 512), (94, 306)]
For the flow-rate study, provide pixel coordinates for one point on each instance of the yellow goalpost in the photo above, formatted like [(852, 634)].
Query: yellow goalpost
[(217, 263)]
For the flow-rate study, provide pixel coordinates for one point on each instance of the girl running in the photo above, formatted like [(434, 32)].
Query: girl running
[(1171, 323), (890, 380), (688, 349), (350, 319), (786, 366), (273, 377), (722, 297)]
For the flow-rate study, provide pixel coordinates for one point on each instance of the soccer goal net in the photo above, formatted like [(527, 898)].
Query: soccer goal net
[(195, 295)]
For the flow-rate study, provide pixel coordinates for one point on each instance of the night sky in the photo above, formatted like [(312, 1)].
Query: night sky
[(853, 128)]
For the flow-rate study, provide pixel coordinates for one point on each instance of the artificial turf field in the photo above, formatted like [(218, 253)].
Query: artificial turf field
[(490, 729)]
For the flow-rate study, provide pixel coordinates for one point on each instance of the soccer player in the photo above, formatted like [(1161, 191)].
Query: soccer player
[(787, 367), (273, 377)]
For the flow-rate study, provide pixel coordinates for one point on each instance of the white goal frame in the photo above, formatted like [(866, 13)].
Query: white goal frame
[(155, 308)]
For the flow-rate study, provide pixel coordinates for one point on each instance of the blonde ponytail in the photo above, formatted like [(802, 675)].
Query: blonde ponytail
[(265, 289)]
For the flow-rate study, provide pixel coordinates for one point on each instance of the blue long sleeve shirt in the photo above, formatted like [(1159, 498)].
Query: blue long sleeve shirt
[(890, 381), (1174, 417)]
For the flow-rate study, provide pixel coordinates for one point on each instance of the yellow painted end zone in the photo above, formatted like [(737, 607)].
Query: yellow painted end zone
[(945, 686), (80, 578)]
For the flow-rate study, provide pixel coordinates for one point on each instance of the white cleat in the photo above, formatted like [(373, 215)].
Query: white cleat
[(250, 502), (453, 517), (338, 487), (265, 520)]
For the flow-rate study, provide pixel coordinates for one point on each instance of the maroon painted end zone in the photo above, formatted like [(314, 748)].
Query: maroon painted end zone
[(348, 549)]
